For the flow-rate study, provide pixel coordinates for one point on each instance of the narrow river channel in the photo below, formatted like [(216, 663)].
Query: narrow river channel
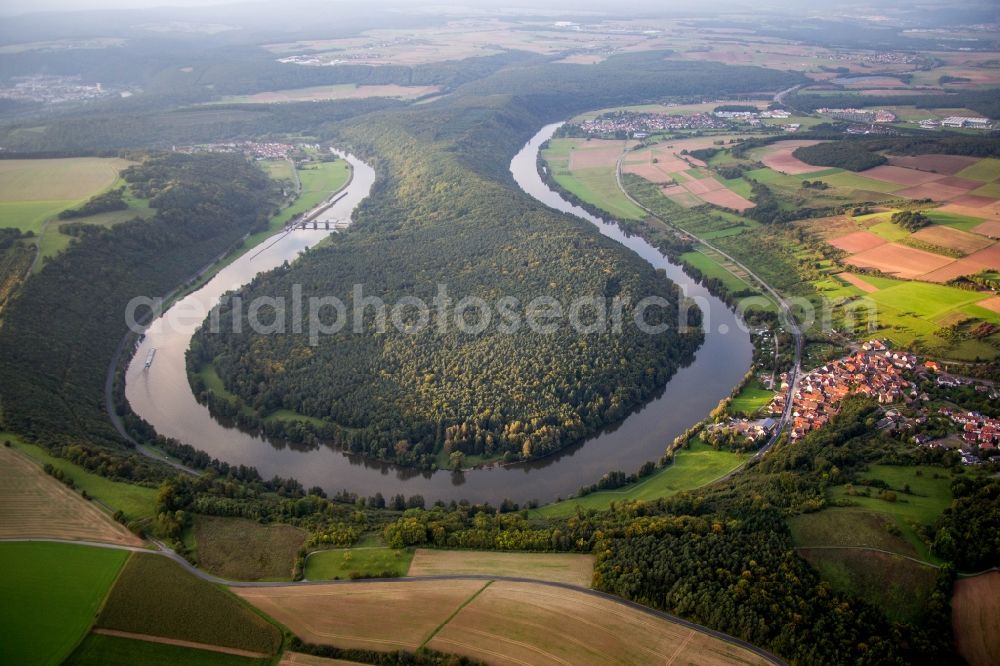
[(162, 396)]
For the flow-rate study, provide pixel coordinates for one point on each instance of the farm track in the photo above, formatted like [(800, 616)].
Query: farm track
[(165, 551)]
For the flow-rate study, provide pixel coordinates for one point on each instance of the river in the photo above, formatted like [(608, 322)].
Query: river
[(162, 396)]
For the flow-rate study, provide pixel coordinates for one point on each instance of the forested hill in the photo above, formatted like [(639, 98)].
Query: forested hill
[(445, 211), (60, 333)]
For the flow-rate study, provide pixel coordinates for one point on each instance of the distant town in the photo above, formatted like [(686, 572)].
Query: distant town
[(56, 90)]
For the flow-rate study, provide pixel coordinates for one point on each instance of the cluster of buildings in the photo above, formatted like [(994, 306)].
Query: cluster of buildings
[(967, 121), (639, 125), (748, 431), (860, 115), (977, 430), (260, 150), (874, 370), (54, 89)]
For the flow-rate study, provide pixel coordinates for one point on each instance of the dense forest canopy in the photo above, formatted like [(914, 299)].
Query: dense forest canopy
[(410, 398), (406, 397)]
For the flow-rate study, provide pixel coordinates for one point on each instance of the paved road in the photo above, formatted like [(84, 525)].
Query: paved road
[(162, 549), (786, 313)]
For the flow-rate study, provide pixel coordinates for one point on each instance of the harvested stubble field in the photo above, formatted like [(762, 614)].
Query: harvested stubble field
[(948, 165), (991, 304), (374, 616), (954, 239), (242, 549), (899, 260), (858, 241), (779, 158), (990, 228), (154, 596), (987, 258), (951, 271), (522, 623), (498, 622), (559, 567), (34, 504), (858, 282), (939, 192), (901, 175), (975, 616)]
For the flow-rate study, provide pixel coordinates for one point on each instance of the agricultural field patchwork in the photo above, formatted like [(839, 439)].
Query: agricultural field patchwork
[(51, 593), (499, 622), (35, 504), (517, 623)]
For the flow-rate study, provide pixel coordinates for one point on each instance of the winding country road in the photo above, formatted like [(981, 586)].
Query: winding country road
[(787, 319), (162, 549)]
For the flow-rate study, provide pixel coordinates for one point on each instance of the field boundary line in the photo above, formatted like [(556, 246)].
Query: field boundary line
[(149, 638), (874, 550), (435, 630)]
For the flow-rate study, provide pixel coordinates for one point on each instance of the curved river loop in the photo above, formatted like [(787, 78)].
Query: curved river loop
[(161, 394)]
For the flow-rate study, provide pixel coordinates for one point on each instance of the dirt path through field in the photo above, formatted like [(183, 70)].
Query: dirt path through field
[(188, 644)]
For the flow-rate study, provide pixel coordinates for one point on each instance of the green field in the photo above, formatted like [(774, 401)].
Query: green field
[(155, 596), (751, 399), (923, 299), (52, 241), (99, 650), (363, 562), (32, 191), (849, 180), (51, 593), (712, 269), (692, 468), (930, 492), (985, 171), (137, 502), (889, 231), (595, 185)]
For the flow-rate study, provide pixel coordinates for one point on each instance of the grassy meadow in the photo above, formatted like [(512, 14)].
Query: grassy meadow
[(692, 468), (51, 593), (362, 562)]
